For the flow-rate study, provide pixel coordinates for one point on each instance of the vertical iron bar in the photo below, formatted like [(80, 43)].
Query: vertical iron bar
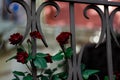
[(33, 28), (73, 42), (108, 45)]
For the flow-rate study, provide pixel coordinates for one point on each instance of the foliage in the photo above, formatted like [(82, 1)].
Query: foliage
[(86, 73), (40, 59)]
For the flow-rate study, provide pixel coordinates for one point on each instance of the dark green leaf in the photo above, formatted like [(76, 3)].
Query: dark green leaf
[(54, 69), (68, 52), (55, 77), (57, 57), (41, 55), (18, 73), (87, 73), (28, 77), (62, 75), (44, 78), (40, 62), (14, 57), (30, 57), (106, 78), (48, 71), (20, 49), (16, 77)]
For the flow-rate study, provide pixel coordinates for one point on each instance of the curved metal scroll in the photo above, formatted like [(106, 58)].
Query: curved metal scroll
[(101, 14), (74, 71), (39, 10), (29, 18), (107, 30), (28, 13), (111, 24)]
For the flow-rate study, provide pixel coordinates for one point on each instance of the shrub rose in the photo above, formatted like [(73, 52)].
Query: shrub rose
[(36, 34), (48, 58), (15, 38), (63, 37), (22, 56)]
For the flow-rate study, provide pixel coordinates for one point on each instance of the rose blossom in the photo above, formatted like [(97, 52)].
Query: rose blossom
[(21, 57), (36, 34), (48, 58), (63, 37), (15, 38)]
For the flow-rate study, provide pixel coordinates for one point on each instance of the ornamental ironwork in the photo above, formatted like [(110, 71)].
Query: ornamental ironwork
[(107, 31)]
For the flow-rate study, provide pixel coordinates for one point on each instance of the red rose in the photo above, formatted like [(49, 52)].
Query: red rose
[(15, 38), (36, 34), (63, 37), (48, 58), (21, 57)]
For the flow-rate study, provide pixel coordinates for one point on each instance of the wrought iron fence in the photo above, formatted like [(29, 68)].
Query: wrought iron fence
[(74, 70)]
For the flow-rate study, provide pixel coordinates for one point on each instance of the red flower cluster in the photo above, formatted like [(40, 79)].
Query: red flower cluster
[(36, 34), (48, 58), (15, 38), (22, 56), (63, 37)]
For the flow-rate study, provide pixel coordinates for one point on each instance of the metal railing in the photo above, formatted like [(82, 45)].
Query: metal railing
[(33, 23)]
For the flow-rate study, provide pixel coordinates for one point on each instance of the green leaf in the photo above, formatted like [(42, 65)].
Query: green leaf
[(16, 77), (68, 52), (63, 75), (48, 71), (87, 73), (41, 55), (30, 57), (20, 48), (106, 77), (28, 77), (14, 57), (57, 57), (19, 73), (40, 62), (44, 78), (55, 77), (54, 69)]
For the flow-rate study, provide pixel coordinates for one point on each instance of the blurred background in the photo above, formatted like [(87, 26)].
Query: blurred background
[(87, 31)]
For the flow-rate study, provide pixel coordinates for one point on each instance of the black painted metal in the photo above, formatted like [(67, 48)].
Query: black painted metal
[(74, 71)]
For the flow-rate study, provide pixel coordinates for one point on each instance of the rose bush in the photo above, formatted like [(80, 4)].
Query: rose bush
[(40, 59)]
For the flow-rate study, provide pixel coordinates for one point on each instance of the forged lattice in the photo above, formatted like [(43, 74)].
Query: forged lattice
[(33, 23)]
